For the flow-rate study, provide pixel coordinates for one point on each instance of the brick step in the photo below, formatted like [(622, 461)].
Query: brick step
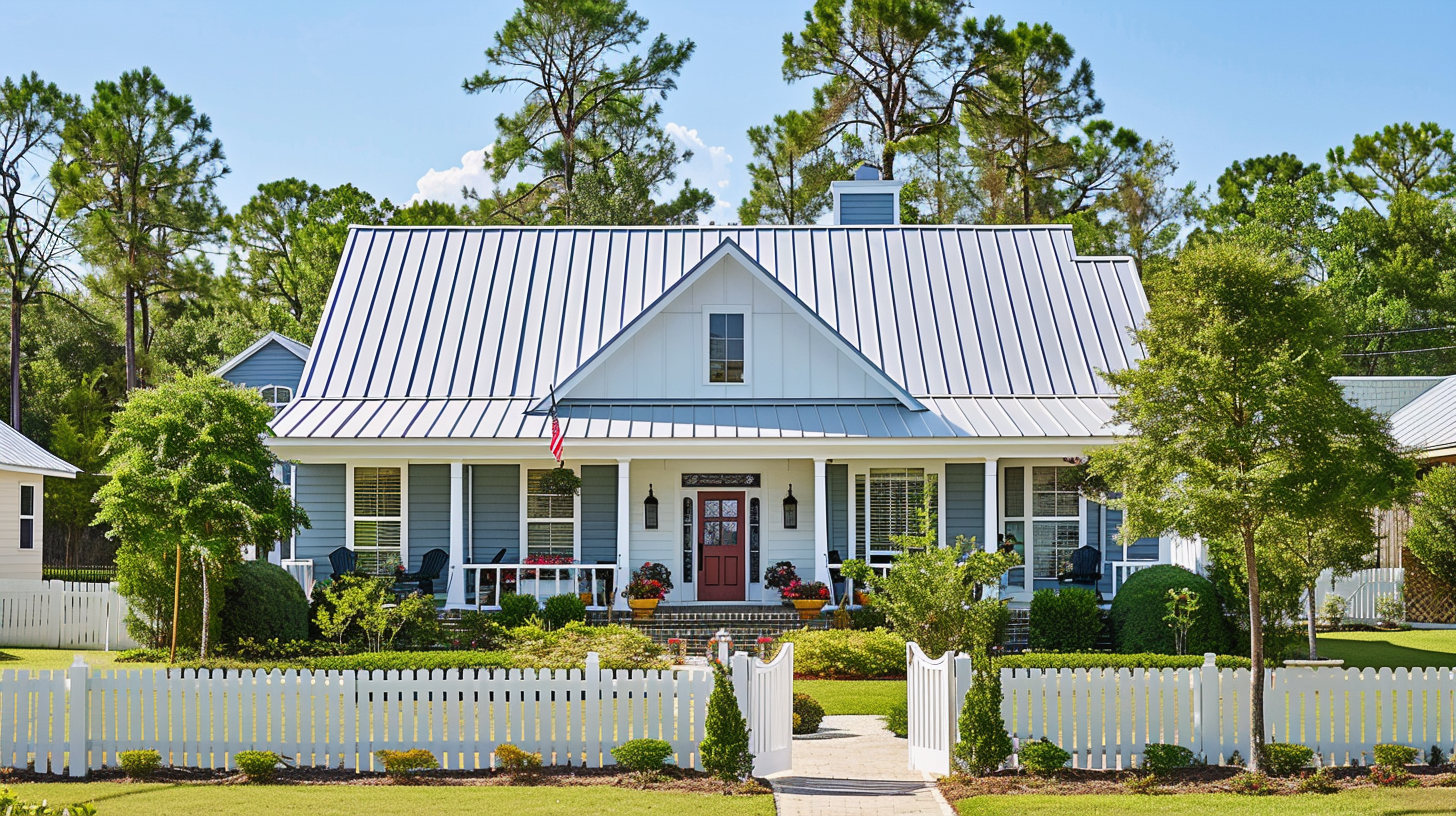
[(695, 626)]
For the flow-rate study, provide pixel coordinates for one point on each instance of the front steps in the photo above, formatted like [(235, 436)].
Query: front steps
[(698, 623)]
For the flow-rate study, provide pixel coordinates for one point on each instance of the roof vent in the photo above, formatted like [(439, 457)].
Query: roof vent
[(867, 200)]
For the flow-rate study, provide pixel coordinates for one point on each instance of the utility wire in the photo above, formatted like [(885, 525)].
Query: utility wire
[(1401, 331), (1395, 351)]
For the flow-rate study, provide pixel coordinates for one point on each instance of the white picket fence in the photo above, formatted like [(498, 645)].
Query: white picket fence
[(62, 615), (766, 698), (1361, 590), (202, 719), (1104, 718)]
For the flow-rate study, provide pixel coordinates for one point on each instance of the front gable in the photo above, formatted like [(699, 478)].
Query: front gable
[(789, 352)]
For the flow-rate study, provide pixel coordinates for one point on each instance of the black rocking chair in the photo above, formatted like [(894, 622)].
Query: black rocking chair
[(342, 561), (423, 579)]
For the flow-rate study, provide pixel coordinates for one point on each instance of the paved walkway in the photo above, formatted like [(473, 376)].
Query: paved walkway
[(854, 766)]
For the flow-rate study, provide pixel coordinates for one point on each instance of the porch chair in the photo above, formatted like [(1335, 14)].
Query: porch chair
[(836, 580), (1085, 569), (423, 579), (343, 560)]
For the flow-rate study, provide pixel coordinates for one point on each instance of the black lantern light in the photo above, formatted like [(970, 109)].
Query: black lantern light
[(791, 511), (649, 510)]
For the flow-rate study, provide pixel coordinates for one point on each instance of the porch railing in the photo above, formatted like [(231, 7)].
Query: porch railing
[(486, 583), (1122, 569)]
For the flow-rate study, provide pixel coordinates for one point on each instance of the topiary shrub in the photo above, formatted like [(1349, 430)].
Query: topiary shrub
[(1394, 756), (403, 765), (984, 744), (139, 765), (1065, 621), (642, 756), (517, 610), (1286, 758), (263, 602), (563, 609), (724, 749), (517, 760), (846, 654), (257, 766), (1161, 759), (1043, 757), (1139, 607), (808, 714), (897, 719)]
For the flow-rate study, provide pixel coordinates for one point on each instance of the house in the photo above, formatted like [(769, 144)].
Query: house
[(731, 397), (24, 467)]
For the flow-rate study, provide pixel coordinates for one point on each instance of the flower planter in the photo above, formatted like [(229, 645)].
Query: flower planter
[(586, 597), (642, 608), (859, 598), (809, 610)]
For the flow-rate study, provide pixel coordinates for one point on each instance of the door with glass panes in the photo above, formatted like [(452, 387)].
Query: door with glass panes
[(721, 546)]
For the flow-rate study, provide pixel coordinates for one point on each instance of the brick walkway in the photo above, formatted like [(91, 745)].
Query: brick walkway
[(854, 766)]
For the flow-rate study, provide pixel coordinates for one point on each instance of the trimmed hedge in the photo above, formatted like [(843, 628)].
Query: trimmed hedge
[(1139, 607), (406, 661), (1064, 621), (846, 654), (1098, 660), (263, 602)]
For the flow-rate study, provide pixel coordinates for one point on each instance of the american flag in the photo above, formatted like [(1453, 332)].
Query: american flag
[(558, 439)]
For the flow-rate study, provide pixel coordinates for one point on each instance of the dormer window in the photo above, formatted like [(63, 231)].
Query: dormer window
[(725, 347), (277, 396)]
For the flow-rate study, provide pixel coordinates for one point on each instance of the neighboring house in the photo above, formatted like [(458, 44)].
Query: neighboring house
[(768, 393), (273, 365), (23, 468)]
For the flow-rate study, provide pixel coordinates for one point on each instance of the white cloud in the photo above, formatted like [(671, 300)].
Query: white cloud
[(445, 185), (709, 167)]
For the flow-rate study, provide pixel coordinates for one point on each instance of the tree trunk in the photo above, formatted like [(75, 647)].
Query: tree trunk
[(131, 364), (1256, 659), (887, 162), (15, 357), (176, 600), (1309, 602), (206, 606)]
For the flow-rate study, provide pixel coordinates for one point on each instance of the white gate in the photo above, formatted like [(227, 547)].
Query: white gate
[(935, 691), (766, 698)]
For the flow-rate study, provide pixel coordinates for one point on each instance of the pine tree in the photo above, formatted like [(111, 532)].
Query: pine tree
[(725, 747)]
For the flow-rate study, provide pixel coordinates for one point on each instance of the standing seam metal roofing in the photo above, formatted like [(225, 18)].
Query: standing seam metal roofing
[(1428, 422), (18, 451), (426, 316)]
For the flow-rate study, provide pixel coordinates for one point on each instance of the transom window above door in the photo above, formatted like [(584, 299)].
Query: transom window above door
[(725, 347)]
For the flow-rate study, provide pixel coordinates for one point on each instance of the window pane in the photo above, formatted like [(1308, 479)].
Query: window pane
[(710, 533), (717, 349), (730, 509), (710, 509), (546, 505), (901, 502), (734, 324), (1015, 479), (717, 372), (376, 491), (734, 372), (27, 534), (717, 325), (27, 500), (1052, 546), (730, 534), (549, 538), (1052, 495), (734, 350), (1016, 533)]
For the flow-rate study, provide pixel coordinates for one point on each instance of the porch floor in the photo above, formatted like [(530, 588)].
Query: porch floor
[(696, 624)]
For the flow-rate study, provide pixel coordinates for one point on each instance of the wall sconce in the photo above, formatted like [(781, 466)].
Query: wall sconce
[(791, 511), (649, 510)]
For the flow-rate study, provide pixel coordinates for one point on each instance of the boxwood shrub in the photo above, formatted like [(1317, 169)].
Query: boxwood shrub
[(846, 654), (642, 755), (1065, 621), (1098, 660), (263, 602), (1043, 757), (1394, 756), (1286, 758), (1139, 606), (807, 714), (897, 721), (140, 765), (1160, 758), (257, 766)]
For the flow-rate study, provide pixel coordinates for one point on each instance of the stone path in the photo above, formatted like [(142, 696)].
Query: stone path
[(854, 766)]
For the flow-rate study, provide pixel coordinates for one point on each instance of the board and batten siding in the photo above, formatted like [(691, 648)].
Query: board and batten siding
[(866, 208), (429, 511), (598, 514), (270, 365), (15, 562), (495, 500), (320, 492), (836, 481), (965, 502)]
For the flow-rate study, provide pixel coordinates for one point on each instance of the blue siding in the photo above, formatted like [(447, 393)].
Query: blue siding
[(598, 513), (867, 208), (320, 492), (429, 511), (270, 365), (965, 502), (496, 507), (836, 479)]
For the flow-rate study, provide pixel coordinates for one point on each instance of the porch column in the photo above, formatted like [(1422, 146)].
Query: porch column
[(624, 530), (993, 519), (821, 522), (455, 595)]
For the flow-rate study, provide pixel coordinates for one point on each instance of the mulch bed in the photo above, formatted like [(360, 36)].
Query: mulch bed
[(1212, 779), (669, 780)]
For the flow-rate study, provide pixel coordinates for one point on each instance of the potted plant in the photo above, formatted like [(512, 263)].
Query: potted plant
[(808, 598), (856, 570), (644, 593), (560, 481), (779, 576)]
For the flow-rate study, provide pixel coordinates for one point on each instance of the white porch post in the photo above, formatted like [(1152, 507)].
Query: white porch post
[(455, 595), (821, 522), (624, 530), (993, 518)]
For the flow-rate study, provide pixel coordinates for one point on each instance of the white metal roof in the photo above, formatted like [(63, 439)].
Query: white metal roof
[(996, 330), (298, 349), (1428, 422), (17, 452)]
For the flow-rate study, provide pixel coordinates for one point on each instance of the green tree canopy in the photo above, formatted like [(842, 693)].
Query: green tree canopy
[(792, 170), (1402, 158), (1432, 536)]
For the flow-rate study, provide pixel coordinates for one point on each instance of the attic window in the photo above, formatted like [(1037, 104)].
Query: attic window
[(725, 347), (277, 396)]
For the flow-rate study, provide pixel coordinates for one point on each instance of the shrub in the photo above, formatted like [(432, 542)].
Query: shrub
[(846, 654), (10, 803), (406, 661), (1066, 621), (140, 765), (724, 749), (515, 760), (275, 649), (516, 610), (928, 594), (402, 765), (642, 756), (479, 630), (1392, 777), (1390, 609), (1097, 660), (1147, 785), (1139, 607), (563, 609), (984, 744), (897, 720), (1286, 759), (1043, 757), (263, 602), (866, 618), (1162, 759), (1321, 781), (1394, 756), (1251, 783), (1332, 612), (618, 647), (807, 713), (1432, 537), (257, 766), (1435, 757)]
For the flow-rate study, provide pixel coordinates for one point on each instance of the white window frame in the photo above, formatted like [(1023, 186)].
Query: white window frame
[(1024, 519), (858, 536), (524, 551), (276, 406), (747, 313), (1032, 518), (350, 518), (34, 516)]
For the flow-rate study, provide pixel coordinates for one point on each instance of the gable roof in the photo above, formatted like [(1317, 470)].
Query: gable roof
[(1428, 422), (18, 452), (1385, 395), (432, 327), (293, 346)]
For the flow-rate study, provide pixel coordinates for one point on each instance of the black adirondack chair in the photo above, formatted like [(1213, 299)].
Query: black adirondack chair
[(343, 560), (431, 565), (1086, 567)]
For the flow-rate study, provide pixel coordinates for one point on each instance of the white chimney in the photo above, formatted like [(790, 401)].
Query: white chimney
[(867, 200)]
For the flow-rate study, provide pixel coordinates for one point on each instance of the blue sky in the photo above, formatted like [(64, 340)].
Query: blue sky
[(369, 92)]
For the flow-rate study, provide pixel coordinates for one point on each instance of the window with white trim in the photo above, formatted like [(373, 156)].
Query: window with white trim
[(1055, 524), (27, 517), (725, 347), (378, 518), (1013, 510), (898, 502), (550, 519), (276, 396)]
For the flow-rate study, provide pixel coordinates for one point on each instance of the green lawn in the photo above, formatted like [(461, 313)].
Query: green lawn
[(124, 799), (16, 658), (1348, 803), (853, 696), (1416, 647)]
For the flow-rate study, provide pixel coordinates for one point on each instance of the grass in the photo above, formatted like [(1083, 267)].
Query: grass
[(1414, 648), (17, 658), (127, 799), (853, 696), (1348, 803)]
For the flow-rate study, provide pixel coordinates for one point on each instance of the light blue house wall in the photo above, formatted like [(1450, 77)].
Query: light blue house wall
[(429, 511), (867, 208), (271, 365), (495, 500), (321, 492), (599, 514)]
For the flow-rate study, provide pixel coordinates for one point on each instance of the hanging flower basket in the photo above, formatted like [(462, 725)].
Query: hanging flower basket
[(560, 481)]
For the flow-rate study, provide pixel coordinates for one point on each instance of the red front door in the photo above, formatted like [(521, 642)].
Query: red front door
[(721, 532)]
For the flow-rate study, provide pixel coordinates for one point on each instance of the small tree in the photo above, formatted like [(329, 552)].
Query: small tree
[(1432, 536), (191, 478), (724, 749), (984, 743), (1182, 605)]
